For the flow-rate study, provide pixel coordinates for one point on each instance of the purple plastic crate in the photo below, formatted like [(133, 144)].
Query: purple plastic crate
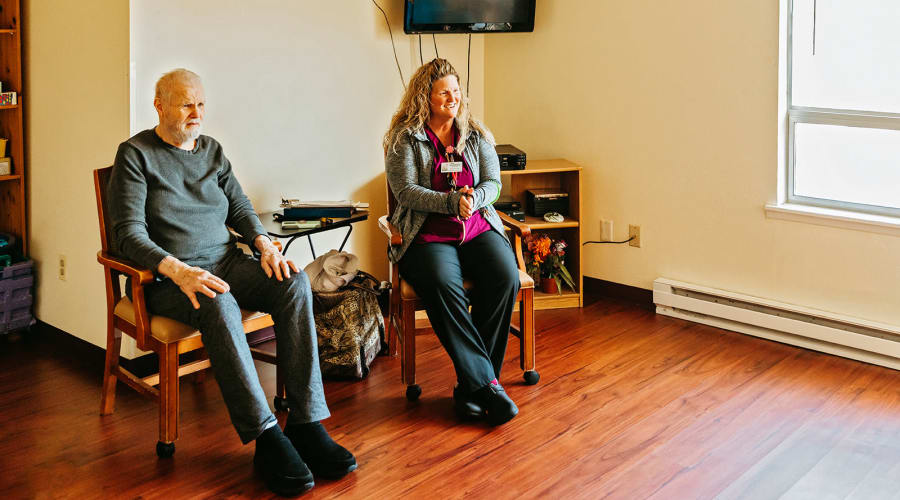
[(18, 269), (16, 324), (16, 297), (15, 289), (15, 318)]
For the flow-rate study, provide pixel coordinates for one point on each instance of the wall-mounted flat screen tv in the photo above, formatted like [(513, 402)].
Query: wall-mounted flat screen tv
[(468, 16)]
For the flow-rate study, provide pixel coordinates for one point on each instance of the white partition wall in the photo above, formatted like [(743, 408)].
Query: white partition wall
[(298, 93)]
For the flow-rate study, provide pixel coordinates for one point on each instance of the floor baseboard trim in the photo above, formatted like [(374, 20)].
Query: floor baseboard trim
[(594, 288), (141, 366)]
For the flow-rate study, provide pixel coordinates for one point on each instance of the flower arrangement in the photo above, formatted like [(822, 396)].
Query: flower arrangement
[(546, 259)]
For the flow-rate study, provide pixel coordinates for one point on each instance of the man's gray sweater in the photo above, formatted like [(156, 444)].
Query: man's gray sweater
[(168, 201)]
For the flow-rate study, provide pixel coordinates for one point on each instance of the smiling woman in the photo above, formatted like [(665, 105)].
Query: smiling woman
[(442, 167), (445, 99)]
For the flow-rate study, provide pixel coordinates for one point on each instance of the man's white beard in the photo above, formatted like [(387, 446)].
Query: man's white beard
[(183, 136)]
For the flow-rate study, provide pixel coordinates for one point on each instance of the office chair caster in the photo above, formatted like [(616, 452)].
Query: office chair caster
[(531, 377), (413, 392), (281, 404), (165, 450)]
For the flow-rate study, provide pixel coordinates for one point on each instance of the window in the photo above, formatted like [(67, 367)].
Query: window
[(843, 97)]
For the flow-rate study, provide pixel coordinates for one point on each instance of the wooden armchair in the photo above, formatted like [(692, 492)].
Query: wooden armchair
[(166, 337), (404, 303)]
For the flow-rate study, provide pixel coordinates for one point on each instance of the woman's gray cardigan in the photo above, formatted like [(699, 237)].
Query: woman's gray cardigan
[(409, 166)]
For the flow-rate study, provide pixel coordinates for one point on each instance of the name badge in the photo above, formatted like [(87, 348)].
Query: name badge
[(449, 167)]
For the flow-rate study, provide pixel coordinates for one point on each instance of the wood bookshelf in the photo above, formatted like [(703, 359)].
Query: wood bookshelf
[(12, 187), (566, 176)]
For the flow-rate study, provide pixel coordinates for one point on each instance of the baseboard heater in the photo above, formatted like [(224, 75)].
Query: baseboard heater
[(854, 338)]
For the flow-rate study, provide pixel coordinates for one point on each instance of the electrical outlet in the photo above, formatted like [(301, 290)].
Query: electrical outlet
[(606, 230), (634, 232), (61, 273)]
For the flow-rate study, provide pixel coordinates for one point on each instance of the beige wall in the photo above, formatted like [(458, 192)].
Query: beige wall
[(671, 107), (299, 94), (76, 112)]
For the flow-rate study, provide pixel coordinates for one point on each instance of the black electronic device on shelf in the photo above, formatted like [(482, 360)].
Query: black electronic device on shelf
[(539, 201), (511, 157), (453, 16), (511, 208)]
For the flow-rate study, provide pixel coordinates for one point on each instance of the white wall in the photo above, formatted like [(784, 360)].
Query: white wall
[(298, 93), (672, 109)]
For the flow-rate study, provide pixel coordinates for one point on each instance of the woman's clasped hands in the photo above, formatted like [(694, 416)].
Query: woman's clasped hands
[(466, 202)]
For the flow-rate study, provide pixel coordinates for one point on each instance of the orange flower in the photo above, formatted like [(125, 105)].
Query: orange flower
[(539, 248)]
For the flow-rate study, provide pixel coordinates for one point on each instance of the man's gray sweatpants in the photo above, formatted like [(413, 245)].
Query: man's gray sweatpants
[(219, 321)]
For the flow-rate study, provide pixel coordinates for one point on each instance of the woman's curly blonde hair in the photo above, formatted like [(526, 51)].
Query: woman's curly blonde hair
[(415, 107)]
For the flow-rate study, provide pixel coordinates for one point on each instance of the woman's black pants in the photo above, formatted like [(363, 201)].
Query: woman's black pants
[(476, 341)]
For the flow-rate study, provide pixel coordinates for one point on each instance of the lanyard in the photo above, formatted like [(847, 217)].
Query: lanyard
[(450, 156)]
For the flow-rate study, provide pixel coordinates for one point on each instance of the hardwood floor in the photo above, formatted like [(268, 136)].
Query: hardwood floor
[(630, 405)]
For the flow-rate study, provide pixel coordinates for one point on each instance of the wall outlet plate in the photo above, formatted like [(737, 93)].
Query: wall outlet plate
[(606, 230), (634, 232), (61, 273)]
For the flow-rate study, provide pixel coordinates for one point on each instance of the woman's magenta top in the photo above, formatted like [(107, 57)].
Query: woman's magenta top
[(445, 228)]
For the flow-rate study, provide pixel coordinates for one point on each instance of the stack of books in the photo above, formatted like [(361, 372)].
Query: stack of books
[(295, 209)]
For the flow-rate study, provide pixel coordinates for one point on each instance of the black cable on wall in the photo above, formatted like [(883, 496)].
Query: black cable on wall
[(391, 33)]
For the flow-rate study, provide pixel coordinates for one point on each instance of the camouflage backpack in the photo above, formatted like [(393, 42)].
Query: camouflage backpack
[(350, 327)]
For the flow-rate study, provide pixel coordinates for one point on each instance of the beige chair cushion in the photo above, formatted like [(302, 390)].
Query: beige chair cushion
[(167, 330), (407, 292)]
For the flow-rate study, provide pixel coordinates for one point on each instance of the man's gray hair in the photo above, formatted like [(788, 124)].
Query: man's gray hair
[(167, 82)]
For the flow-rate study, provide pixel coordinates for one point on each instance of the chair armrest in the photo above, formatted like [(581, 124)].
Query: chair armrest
[(520, 231), (520, 228), (390, 231), (253, 250), (141, 274)]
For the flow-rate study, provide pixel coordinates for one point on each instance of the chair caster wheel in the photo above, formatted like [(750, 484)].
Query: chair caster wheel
[(281, 404), (165, 450), (413, 392), (531, 377)]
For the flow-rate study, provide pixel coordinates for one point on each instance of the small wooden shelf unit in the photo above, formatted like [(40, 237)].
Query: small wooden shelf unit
[(566, 176), (12, 187)]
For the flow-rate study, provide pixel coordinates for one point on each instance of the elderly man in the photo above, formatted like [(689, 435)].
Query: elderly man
[(173, 196)]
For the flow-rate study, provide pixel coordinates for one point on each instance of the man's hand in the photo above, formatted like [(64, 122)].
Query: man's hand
[(466, 202), (271, 259), (192, 279)]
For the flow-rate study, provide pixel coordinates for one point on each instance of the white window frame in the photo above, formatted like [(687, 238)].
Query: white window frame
[(842, 117), (820, 210)]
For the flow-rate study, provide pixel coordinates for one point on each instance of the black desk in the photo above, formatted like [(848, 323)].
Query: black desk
[(273, 227)]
